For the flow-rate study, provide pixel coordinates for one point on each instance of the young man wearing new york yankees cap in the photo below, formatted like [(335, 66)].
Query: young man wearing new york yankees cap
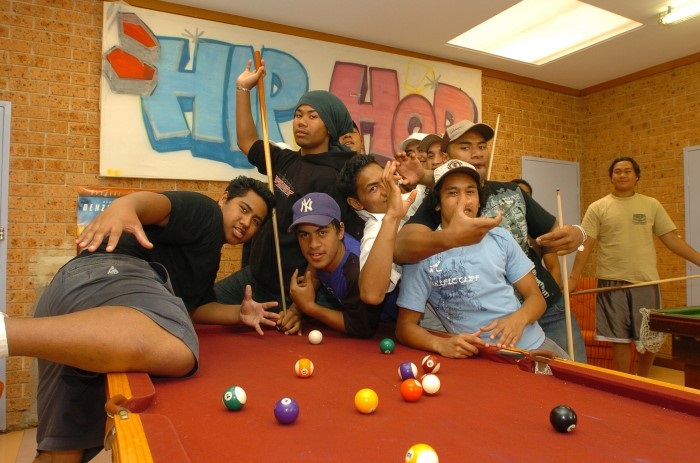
[(333, 262)]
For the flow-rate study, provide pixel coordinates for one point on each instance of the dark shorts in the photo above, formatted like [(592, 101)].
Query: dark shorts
[(618, 318), (70, 402)]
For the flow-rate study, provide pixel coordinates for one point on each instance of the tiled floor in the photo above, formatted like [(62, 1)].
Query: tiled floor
[(19, 446)]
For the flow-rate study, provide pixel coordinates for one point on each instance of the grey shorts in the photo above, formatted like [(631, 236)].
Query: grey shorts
[(618, 318), (70, 402)]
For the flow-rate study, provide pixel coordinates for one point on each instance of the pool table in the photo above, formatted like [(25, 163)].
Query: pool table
[(492, 407), (684, 326)]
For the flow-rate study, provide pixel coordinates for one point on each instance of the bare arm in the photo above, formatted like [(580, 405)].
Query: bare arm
[(126, 214), (250, 313), (411, 334), (551, 263), (580, 262), (246, 132), (679, 247), (416, 242)]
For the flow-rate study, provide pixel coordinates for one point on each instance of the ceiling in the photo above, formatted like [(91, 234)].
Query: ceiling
[(424, 27)]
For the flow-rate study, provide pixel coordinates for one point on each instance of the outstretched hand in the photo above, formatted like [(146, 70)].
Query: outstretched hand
[(463, 230), (254, 313), (397, 206), (562, 240), (409, 168), (118, 218)]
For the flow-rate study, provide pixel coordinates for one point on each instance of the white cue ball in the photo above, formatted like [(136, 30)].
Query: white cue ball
[(430, 383), (315, 337)]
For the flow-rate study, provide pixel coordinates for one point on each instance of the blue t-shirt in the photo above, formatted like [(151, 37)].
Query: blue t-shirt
[(470, 286)]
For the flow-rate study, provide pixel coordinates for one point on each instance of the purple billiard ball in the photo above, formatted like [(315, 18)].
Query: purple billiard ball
[(286, 410), (407, 370)]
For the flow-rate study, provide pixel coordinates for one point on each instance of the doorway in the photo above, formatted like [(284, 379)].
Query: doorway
[(546, 177)]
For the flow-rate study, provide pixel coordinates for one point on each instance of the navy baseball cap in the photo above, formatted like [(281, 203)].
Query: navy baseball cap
[(315, 208)]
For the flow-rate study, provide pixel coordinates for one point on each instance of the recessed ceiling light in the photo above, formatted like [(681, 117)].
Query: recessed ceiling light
[(540, 31)]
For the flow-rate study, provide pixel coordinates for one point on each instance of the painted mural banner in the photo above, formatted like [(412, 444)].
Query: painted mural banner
[(168, 92)]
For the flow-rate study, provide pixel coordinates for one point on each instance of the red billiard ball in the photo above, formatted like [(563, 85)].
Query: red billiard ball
[(563, 418), (430, 364), (411, 390), (286, 410)]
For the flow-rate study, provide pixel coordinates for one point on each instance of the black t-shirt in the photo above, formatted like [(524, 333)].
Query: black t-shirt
[(189, 246), (294, 176), (522, 216)]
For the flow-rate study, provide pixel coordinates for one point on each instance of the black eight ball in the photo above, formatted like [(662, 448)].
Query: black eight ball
[(563, 418)]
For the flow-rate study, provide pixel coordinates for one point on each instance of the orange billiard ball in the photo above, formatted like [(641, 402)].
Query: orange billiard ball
[(304, 368), (411, 390)]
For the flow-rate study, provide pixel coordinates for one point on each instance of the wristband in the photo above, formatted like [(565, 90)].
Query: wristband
[(585, 236), (242, 89)]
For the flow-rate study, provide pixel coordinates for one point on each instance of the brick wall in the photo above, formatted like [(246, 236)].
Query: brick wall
[(50, 71)]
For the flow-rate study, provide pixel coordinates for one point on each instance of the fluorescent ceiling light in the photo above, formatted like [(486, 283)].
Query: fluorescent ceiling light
[(540, 31), (679, 12)]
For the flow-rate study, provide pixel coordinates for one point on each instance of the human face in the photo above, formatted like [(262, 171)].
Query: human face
[(353, 140), (371, 192), (624, 178), (471, 148), (322, 247), (434, 155), (243, 216), (459, 193), (413, 151), (412, 147), (310, 133)]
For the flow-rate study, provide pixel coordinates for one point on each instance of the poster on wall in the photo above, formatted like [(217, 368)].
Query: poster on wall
[(168, 92)]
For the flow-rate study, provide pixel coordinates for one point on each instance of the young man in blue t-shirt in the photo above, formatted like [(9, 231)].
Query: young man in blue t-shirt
[(471, 288)]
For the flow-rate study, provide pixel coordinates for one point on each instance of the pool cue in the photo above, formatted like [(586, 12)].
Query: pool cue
[(565, 280), (270, 183), (633, 285), (493, 146)]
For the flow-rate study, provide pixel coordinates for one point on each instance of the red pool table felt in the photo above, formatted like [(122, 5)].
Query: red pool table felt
[(486, 410)]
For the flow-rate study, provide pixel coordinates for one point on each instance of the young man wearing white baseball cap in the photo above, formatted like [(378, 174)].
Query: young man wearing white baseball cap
[(470, 288), (522, 216)]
